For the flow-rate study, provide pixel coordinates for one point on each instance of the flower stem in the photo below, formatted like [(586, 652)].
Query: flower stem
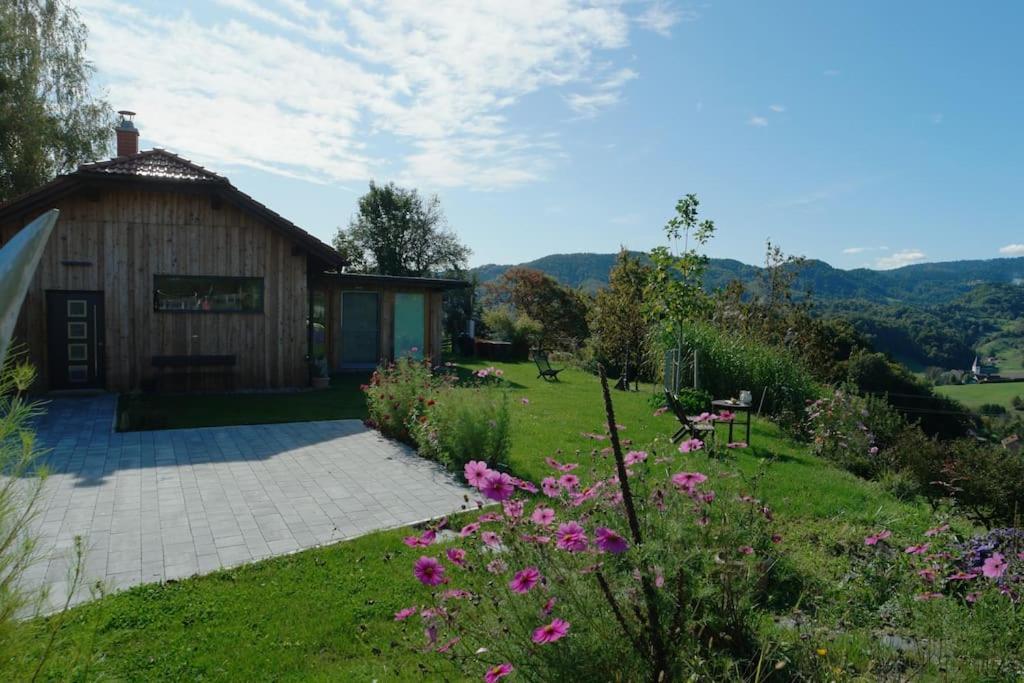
[(661, 668)]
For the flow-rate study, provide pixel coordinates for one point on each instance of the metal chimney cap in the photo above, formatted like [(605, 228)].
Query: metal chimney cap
[(125, 123)]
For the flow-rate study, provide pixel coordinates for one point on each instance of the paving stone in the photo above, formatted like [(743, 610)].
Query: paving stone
[(155, 506)]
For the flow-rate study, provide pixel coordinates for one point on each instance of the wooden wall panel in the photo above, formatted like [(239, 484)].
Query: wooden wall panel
[(128, 236)]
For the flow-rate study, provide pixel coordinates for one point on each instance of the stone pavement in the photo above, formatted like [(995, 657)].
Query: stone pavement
[(160, 505)]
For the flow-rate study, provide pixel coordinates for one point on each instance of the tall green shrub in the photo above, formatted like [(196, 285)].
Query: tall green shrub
[(466, 424)]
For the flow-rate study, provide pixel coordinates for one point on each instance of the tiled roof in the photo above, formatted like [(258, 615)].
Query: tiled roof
[(154, 163)]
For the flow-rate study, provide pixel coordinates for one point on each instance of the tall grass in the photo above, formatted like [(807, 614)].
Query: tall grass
[(727, 364)]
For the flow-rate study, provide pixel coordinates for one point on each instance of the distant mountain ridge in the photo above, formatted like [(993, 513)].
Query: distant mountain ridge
[(920, 284)]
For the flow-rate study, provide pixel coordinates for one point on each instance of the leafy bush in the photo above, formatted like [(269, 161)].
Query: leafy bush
[(856, 432), (694, 401), (398, 394), (662, 575), (522, 331), (466, 424), (1017, 403), (729, 364), (992, 409)]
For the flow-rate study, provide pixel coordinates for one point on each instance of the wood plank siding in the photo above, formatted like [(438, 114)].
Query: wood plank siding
[(116, 240)]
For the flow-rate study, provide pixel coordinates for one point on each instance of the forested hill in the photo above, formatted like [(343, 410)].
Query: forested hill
[(920, 284)]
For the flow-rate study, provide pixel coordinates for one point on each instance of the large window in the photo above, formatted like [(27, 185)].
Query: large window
[(207, 294)]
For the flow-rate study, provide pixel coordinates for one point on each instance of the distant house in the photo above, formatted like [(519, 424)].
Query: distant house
[(160, 265), (983, 372)]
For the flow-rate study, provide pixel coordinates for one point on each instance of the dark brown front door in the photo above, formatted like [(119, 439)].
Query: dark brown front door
[(74, 331)]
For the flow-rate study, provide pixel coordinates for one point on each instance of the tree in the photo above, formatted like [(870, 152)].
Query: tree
[(561, 311), (675, 290), (617, 319), (398, 232), (49, 120)]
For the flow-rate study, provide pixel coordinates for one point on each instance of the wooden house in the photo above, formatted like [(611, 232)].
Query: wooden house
[(160, 272)]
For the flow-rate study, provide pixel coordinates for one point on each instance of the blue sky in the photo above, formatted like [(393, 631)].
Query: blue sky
[(861, 133)]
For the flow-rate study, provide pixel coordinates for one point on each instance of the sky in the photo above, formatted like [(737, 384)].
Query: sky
[(865, 134)]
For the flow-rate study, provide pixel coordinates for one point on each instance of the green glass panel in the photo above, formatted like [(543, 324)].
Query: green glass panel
[(410, 318), (360, 329)]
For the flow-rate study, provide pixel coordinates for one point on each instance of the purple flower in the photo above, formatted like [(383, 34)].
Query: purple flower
[(571, 537), (497, 486), (610, 541), (524, 580)]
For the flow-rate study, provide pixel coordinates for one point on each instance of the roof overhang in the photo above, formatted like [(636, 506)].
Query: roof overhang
[(371, 280)]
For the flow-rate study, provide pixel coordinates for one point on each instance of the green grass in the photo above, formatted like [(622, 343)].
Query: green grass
[(342, 399), (326, 614), (975, 395)]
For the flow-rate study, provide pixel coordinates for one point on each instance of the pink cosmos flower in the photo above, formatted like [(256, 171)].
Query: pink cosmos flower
[(490, 538), (610, 541), (725, 416), (497, 486), (873, 539), (489, 517), (429, 571), (691, 445), (539, 540), (567, 467), (661, 411), (414, 542), (513, 508), (550, 487), (403, 614), (525, 401), (447, 646), (571, 537), (688, 481), (496, 673), (549, 605), (475, 471), (469, 529), (745, 550), (528, 486), (568, 481), (937, 530), (776, 538), (994, 566), (456, 556), (927, 575), (456, 594), (524, 580), (917, 549), (552, 632), (972, 597), (962, 576), (542, 516), (498, 566), (633, 457), (873, 450)]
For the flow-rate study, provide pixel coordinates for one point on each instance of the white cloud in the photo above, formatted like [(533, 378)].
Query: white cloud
[(661, 16), (900, 258), (1012, 250), (757, 121), (421, 91), (777, 108), (861, 250)]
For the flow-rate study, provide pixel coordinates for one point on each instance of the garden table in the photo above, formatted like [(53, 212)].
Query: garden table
[(734, 406)]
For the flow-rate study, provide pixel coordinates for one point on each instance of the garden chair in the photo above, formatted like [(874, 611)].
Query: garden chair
[(544, 368), (687, 425)]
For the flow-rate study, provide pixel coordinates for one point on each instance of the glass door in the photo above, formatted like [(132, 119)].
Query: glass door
[(360, 329), (410, 323)]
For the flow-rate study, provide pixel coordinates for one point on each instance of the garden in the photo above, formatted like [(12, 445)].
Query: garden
[(853, 537)]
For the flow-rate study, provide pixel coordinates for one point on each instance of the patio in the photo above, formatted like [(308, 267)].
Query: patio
[(162, 505)]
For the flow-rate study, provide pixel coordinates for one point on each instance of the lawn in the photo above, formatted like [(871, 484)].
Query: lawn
[(342, 399), (975, 395), (326, 614)]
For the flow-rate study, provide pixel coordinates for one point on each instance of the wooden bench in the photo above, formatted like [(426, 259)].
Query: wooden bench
[(195, 369)]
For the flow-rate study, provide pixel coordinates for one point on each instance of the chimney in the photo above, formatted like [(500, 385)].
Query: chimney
[(127, 134)]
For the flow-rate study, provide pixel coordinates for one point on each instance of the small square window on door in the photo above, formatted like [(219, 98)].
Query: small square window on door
[(78, 308), (75, 335)]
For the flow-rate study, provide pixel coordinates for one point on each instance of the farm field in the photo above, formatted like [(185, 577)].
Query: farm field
[(975, 395)]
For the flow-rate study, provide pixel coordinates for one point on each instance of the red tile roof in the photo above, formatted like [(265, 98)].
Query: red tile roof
[(154, 163)]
